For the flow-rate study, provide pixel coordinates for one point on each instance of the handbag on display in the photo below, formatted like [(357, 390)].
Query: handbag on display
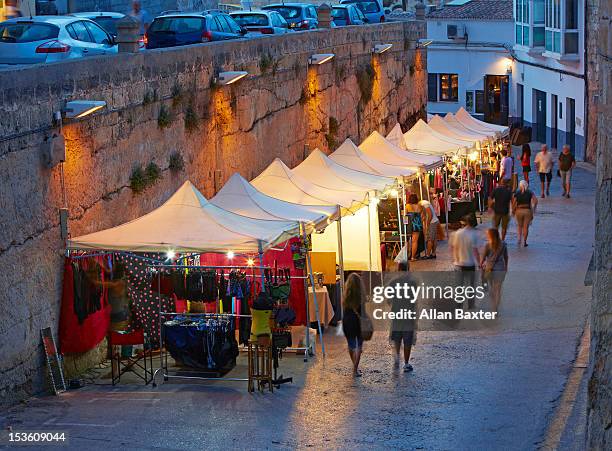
[(402, 255)]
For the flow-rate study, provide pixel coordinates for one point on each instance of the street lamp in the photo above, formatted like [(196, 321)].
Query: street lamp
[(320, 58), (227, 78), (381, 48), (78, 109)]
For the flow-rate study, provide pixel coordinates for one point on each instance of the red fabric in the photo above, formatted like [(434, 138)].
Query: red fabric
[(75, 337), (125, 339), (383, 256), (284, 259)]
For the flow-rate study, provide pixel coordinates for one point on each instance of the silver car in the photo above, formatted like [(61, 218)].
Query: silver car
[(261, 22), (45, 39), (107, 20)]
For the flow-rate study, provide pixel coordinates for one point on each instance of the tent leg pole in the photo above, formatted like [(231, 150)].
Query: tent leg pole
[(446, 202), (307, 304), (399, 220), (369, 247), (314, 297), (340, 253), (261, 266), (420, 185)]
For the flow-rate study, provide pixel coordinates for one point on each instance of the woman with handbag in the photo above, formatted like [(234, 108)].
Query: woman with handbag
[(494, 262), (352, 319)]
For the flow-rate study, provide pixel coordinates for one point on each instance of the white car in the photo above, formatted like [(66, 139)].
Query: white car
[(261, 22), (45, 39)]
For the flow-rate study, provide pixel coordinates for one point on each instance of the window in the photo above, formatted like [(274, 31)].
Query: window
[(538, 23), (432, 87), (561, 30), (469, 101), (449, 87), (522, 22), (78, 32), (99, 35), (479, 102), (552, 38)]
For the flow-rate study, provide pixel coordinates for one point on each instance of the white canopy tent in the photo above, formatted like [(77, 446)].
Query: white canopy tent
[(479, 126), (376, 146), (396, 137), (423, 139), (452, 121), (443, 127), (360, 241), (187, 222), (423, 161), (323, 171), (240, 197), (350, 156)]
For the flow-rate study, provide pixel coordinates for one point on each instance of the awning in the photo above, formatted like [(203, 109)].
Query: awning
[(187, 222)]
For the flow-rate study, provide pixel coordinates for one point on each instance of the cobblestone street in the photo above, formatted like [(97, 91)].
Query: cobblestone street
[(492, 389)]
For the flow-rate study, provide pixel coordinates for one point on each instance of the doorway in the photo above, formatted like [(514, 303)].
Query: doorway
[(554, 115), (570, 128), (520, 103), (539, 114), (496, 95)]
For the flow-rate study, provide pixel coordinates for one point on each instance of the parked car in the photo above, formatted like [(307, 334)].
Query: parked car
[(264, 22), (348, 15), (299, 16), (45, 39), (372, 9), (191, 28), (107, 20)]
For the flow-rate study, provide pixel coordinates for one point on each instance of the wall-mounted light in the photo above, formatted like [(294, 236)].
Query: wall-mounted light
[(227, 78), (381, 48), (320, 58), (422, 43), (77, 109)]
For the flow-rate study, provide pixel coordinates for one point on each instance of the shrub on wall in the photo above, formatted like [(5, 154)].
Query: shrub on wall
[(141, 179), (365, 80), (191, 119), (165, 118), (331, 136), (265, 63), (176, 163)]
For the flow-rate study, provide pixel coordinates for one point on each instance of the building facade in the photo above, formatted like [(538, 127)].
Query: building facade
[(469, 58), (548, 72)]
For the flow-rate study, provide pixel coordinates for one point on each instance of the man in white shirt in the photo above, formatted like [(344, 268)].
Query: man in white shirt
[(430, 227), (544, 163), (141, 16), (506, 166), (464, 246)]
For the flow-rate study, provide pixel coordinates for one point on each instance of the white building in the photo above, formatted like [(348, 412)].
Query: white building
[(548, 71), (469, 58)]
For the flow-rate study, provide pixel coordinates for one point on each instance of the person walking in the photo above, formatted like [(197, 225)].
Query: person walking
[(506, 167), (141, 16), (499, 202), (402, 330), (351, 319), (430, 228), (414, 213), (464, 247), (526, 161), (524, 204), (544, 163), (567, 162), (494, 263)]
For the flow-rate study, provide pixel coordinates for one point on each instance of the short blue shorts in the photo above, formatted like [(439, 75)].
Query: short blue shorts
[(354, 343)]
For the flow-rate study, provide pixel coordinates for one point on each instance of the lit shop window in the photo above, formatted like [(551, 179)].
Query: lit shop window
[(449, 87)]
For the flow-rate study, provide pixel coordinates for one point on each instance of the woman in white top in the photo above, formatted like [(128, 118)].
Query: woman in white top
[(430, 227)]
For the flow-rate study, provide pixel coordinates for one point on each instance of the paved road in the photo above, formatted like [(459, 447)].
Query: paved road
[(491, 389)]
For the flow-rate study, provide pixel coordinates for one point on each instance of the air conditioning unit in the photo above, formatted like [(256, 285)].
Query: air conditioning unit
[(455, 31)]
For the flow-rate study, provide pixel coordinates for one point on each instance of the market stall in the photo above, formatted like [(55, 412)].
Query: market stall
[(479, 126)]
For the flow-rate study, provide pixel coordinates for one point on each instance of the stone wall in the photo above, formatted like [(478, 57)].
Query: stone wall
[(600, 385), (153, 7), (161, 102)]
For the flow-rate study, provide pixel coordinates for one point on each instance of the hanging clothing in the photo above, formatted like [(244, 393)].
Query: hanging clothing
[(77, 336)]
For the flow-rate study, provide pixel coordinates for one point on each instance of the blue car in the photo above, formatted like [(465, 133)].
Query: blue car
[(372, 9), (176, 29)]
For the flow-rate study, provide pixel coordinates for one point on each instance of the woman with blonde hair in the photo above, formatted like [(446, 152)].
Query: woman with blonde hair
[(351, 319), (524, 204)]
